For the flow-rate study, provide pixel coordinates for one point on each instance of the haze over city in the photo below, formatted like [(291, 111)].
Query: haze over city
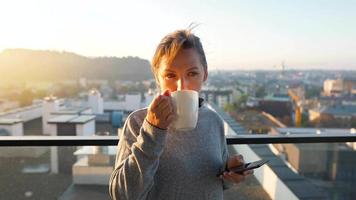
[(84, 115), (236, 34)]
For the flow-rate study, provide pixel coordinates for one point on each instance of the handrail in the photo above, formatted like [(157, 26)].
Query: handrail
[(113, 140)]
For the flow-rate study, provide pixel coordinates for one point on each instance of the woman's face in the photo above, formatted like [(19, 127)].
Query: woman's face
[(184, 73)]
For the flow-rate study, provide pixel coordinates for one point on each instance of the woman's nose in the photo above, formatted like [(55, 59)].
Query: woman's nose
[(182, 84)]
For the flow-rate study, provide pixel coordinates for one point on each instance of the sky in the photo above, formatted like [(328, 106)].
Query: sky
[(236, 34)]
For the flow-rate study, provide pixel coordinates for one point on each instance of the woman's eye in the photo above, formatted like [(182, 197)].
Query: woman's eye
[(193, 73), (169, 76)]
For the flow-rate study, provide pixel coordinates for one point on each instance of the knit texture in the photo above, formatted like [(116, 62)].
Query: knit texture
[(152, 163)]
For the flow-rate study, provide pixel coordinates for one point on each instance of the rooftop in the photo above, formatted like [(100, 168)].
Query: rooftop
[(71, 110), (10, 121), (76, 119), (339, 110), (293, 130)]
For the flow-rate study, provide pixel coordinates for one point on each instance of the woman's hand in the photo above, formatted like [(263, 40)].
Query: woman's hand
[(161, 111), (235, 161)]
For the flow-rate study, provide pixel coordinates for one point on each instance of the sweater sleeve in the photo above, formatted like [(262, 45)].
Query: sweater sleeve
[(137, 160), (226, 184), (225, 153)]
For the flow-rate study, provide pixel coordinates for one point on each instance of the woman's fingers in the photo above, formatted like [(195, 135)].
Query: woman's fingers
[(170, 118), (237, 177), (160, 111), (155, 102), (161, 102), (235, 161), (226, 176), (165, 106), (248, 172), (233, 177)]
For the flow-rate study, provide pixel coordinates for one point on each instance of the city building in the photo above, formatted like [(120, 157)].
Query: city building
[(96, 102), (330, 161), (279, 106), (220, 97), (339, 86), (11, 127), (334, 115)]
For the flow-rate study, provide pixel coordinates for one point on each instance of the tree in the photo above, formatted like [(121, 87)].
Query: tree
[(305, 120), (260, 91), (26, 97), (312, 91), (239, 104), (229, 107), (67, 91), (40, 94)]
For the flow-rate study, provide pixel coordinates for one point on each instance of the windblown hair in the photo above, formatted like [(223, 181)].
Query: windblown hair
[(172, 43)]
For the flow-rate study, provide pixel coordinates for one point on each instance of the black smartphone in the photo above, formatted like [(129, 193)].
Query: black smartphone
[(247, 166)]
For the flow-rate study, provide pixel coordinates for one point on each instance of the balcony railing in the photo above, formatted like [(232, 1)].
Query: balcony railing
[(277, 179), (113, 140)]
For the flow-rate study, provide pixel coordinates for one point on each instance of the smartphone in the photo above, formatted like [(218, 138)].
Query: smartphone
[(247, 166)]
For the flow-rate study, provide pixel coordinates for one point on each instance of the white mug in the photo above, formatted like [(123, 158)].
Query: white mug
[(186, 103)]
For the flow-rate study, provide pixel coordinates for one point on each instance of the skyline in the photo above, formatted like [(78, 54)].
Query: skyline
[(236, 35)]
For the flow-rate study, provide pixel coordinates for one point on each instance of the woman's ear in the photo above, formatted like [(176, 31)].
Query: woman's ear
[(205, 75)]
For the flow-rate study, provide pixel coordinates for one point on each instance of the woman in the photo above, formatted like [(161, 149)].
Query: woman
[(156, 163)]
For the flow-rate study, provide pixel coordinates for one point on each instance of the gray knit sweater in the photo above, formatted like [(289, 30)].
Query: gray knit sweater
[(152, 163)]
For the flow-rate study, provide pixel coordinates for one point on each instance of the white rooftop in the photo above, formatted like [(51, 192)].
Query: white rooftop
[(76, 119), (71, 110), (91, 150), (316, 131), (6, 121)]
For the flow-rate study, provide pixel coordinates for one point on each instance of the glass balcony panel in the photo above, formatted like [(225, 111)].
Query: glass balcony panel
[(304, 170), (294, 171)]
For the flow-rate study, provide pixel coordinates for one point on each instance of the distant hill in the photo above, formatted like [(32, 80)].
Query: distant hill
[(24, 64)]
